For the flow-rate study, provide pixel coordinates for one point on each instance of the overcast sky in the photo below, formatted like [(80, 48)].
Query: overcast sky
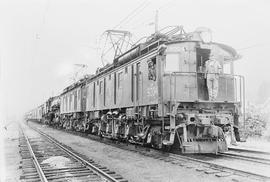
[(40, 40)]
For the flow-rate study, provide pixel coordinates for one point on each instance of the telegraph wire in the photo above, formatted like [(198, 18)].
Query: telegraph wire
[(165, 5), (252, 46), (38, 33)]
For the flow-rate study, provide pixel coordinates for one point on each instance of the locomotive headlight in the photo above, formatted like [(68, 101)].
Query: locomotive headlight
[(206, 37), (205, 34)]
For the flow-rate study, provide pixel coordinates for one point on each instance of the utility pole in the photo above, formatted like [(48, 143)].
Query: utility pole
[(156, 22)]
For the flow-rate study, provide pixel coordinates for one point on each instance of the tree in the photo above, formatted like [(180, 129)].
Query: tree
[(256, 121)]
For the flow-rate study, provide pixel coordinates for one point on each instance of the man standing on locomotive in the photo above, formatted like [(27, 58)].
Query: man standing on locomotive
[(212, 71)]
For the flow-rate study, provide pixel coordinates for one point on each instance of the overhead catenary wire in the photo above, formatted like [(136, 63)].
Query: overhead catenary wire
[(165, 5), (147, 21), (132, 14), (126, 21), (139, 12)]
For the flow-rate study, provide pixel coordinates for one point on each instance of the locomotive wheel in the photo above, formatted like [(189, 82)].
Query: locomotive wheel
[(166, 148)]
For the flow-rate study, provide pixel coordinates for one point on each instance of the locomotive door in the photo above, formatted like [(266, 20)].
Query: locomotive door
[(83, 97), (202, 57)]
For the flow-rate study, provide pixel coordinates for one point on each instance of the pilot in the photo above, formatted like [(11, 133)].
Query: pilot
[(212, 71)]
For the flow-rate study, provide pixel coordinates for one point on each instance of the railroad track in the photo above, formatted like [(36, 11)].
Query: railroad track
[(241, 150), (44, 159), (246, 157), (216, 165), (209, 165)]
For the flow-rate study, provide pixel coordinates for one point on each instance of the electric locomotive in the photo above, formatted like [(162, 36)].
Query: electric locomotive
[(156, 94)]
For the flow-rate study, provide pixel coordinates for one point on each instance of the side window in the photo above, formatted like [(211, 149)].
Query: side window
[(75, 99), (152, 69), (120, 79), (79, 94), (100, 87), (66, 102), (132, 83), (94, 94), (87, 92), (104, 95), (70, 100), (114, 93), (138, 79)]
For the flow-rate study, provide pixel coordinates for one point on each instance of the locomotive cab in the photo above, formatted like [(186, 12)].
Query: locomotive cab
[(226, 90), (195, 120), (185, 64)]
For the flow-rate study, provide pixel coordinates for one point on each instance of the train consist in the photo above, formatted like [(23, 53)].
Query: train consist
[(155, 94)]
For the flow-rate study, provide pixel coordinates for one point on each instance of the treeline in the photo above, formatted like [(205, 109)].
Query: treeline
[(257, 121)]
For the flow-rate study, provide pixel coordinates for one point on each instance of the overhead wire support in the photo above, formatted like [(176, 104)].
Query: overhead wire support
[(123, 41), (120, 41)]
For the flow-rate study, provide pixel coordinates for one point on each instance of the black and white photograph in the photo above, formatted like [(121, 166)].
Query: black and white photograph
[(134, 91)]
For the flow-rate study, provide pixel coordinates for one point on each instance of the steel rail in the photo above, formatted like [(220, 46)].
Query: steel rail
[(246, 158), (177, 157), (248, 150), (218, 166), (35, 161), (78, 158)]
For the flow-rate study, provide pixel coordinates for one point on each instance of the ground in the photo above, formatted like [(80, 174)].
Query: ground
[(254, 144), (9, 150), (132, 166)]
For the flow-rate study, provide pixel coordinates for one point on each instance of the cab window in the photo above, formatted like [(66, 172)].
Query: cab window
[(172, 63), (227, 68)]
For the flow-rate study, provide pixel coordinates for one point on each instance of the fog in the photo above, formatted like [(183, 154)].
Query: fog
[(41, 40)]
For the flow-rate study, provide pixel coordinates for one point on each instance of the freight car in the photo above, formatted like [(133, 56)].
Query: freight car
[(46, 112), (156, 94), (36, 114)]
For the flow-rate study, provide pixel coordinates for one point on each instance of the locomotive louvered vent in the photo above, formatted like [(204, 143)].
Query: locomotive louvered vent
[(151, 47)]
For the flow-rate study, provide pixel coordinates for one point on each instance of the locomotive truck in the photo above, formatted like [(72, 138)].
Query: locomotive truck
[(155, 94)]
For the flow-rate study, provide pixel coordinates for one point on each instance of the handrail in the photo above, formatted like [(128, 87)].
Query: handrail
[(179, 72), (237, 79), (244, 102)]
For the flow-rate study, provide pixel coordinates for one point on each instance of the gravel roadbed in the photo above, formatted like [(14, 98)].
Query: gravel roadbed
[(9, 150), (132, 166)]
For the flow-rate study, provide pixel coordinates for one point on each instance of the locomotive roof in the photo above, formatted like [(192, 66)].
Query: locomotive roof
[(76, 84), (118, 61), (142, 49)]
